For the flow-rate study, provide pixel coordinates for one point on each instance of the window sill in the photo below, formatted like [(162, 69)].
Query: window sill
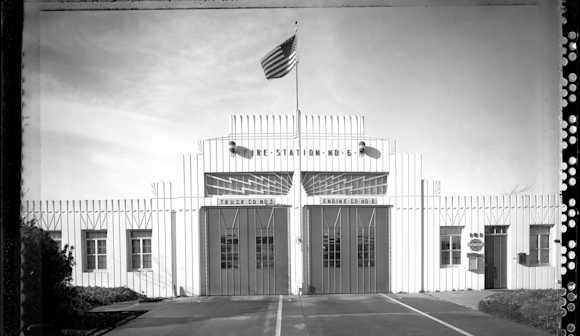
[(95, 271), (540, 265), (450, 266), (148, 270)]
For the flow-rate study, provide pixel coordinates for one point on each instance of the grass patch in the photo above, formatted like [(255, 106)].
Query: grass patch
[(538, 308), (77, 319), (81, 321), (101, 296)]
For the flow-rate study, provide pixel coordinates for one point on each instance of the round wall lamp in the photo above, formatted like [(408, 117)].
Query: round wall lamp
[(361, 147)]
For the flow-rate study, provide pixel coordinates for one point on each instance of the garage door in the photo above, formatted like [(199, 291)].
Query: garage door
[(347, 250), (244, 250)]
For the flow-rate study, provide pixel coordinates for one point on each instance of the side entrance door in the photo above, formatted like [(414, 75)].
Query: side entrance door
[(496, 256), (244, 250), (347, 249)]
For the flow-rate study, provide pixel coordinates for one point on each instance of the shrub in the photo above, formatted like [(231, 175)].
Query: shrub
[(99, 296), (46, 275), (538, 308), (49, 301)]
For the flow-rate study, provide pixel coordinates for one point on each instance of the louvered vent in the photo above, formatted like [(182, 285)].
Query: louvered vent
[(345, 183), (247, 183)]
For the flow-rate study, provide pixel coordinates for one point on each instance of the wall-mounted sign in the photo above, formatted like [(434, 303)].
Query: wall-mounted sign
[(348, 201), (476, 262), (475, 244), (246, 201), (296, 152)]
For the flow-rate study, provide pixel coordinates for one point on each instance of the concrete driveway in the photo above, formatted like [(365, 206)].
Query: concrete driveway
[(393, 314)]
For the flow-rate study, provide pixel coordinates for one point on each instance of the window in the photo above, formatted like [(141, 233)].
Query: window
[(95, 250), (140, 242), (331, 250), (366, 248), (57, 237), (539, 245), (229, 249), (264, 251), (496, 230), (450, 238)]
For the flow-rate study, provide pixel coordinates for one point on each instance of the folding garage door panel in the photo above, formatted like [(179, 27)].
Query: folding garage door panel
[(281, 249), (370, 260), (348, 249), (245, 251), (368, 238), (268, 253), (382, 249), (226, 243), (330, 249)]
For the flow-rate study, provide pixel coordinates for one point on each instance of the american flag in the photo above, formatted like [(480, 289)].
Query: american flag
[(281, 60)]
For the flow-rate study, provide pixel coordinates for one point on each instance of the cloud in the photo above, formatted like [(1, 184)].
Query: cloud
[(120, 94)]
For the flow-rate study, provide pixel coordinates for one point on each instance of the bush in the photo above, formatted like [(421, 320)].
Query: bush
[(99, 296), (50, 302), (46, 274), (537, 308)]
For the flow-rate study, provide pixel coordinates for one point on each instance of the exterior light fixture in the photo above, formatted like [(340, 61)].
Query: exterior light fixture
[(361, 147), (233, 147)]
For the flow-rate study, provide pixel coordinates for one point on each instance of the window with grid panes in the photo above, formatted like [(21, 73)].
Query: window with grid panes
[(331, 249), (539, 245), (229, 249), (366, 248), (140, 243), (264, 251), (450, 243), (496, 230), (95, 250)]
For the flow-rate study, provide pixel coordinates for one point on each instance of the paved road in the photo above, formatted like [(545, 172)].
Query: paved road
[(397, 315)]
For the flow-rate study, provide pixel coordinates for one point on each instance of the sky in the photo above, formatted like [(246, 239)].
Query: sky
[(113, 98)]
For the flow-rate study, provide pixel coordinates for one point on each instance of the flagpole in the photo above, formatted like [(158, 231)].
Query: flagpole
[(299, 170), (297, 61), (298, 113), (297, 106)]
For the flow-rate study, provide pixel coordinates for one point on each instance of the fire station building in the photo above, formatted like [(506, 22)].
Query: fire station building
[(306, 204)]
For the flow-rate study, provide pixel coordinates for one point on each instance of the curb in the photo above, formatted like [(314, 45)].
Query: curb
[(460, 304), (103, 331)]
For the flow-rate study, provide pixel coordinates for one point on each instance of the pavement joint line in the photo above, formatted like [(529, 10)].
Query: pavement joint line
[(349, 314), (279, 317), (377, 314), (461, 331)]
